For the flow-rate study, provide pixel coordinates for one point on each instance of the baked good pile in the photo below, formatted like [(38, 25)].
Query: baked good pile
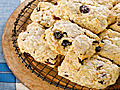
[(80, 37)]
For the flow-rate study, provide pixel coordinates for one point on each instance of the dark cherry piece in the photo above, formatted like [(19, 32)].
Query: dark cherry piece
[(55, 18), (98, 49), (55, 3), (118, 23), (84, 9), (96, 42), (101, 82), (66, 75), (66, 43), (38, 9), (58, 35)]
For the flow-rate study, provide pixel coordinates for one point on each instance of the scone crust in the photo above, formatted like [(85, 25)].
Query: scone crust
[(96, 19), (43, 14), (94, 73), (111, 47)]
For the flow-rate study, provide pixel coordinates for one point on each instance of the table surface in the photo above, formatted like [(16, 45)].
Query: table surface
[(7, 80)]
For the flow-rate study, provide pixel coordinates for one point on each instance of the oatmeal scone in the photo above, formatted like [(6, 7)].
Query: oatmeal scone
[(96, 72), (116, 11), (30, 42), (61, 36), (94, 18), (111, 47), (43, 14)]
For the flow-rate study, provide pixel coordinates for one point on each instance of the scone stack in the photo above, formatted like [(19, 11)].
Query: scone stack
[(80, 37)]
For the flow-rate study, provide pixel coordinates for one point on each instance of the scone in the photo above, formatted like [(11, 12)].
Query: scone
[(43, 14), (106, 3), (30, 42), (116, 10), (61, 38), (94, 73), (85, 47), (111, 47), (94, 18)]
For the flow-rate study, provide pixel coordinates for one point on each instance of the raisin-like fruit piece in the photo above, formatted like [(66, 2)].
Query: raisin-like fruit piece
[(102, 41), (98, 68), (118, 23), (104, 74), (38, 9), (101, 82), (55, 3), (98, 49), (80, 61), (66, 43), (84, 9), (66, 75), (96, 42), (58, 35), (55, 18)]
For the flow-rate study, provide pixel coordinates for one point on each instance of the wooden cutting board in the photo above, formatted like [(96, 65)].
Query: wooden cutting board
[(15, 64)]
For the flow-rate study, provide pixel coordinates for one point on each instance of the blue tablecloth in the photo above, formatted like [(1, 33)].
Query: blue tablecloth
[(7, 80)]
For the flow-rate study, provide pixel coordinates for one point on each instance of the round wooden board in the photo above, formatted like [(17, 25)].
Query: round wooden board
[(15, 64)]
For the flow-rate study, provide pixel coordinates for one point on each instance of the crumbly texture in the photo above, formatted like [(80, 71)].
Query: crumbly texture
[(84, 47), (116, 11), (109, 3), (111, 47), (94, 73), (61, 36), (115, 27), (94, 18), (106, 3), (43, 14), (30, 42)]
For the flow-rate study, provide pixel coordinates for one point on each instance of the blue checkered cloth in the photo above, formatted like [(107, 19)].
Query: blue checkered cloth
[(7, 79)]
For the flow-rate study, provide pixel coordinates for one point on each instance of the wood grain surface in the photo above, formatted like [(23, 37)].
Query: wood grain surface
[(15, 64)]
